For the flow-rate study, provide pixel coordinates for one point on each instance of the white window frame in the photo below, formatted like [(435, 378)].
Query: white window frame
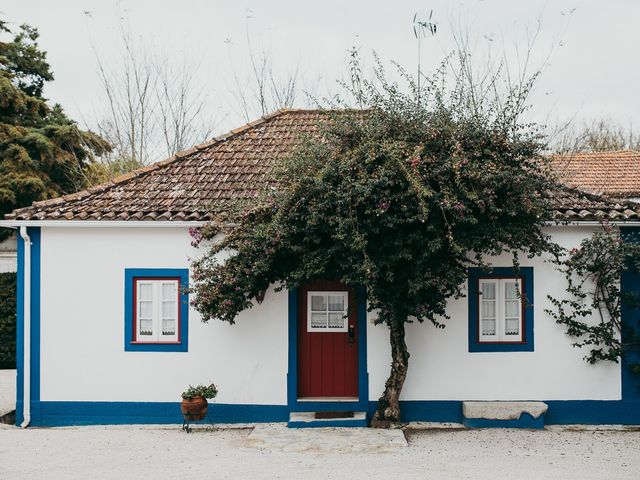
[(501, 335), (345, 312), (157, 301)]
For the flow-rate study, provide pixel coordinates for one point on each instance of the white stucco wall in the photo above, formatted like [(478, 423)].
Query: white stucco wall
[(82, 330), (82, 326), (442, 368), (9, 254)]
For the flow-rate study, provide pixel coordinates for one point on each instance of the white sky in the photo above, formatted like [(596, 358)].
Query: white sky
[(593, 72)]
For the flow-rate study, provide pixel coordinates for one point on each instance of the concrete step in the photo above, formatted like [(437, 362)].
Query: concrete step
[(504, 414), (309, 420), (8, 418)]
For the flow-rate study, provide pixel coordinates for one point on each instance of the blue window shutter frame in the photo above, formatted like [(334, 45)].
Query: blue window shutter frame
[(133, 273), (526, 273)]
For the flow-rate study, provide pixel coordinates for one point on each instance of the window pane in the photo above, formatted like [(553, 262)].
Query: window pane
[(510, 290), (146, 291), (146, 326), (318, 320), (318, 303), (488, 327), (336, 303), (512, 326), (146, 309), (168, 326), (488, 309), (511, 308), (169, 309), (169, 291), (336, 320), (488, 290)]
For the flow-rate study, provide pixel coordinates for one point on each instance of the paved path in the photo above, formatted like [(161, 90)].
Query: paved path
[(7, 391), (326, 440), (158, 452)]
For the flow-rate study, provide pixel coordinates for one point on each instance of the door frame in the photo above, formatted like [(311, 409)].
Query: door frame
[(362, 405)]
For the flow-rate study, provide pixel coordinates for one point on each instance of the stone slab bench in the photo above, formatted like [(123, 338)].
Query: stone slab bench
[(504, 414)]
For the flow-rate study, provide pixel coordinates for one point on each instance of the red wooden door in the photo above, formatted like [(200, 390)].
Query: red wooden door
[(327, 341)]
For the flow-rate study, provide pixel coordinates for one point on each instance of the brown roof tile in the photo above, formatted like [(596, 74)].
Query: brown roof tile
[(615, 173), (237, 165)]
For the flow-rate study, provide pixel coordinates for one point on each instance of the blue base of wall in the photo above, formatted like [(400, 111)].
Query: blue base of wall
[(58, 414), (525, 421), (561, 412), (51, 414)]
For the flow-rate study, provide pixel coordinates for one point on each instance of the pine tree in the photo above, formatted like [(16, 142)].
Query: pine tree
[(43, 153)]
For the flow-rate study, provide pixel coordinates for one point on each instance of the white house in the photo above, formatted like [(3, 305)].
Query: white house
[(106, 333), (8, 254)]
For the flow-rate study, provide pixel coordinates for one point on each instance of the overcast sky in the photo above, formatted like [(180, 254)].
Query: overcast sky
[(593, 70)]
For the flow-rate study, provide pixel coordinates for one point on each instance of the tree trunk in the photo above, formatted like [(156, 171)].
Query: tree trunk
[(388, 404)]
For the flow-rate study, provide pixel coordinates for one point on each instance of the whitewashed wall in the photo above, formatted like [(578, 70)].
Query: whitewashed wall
[(82, 326), (83, 357), (442, 368), (9, 254)]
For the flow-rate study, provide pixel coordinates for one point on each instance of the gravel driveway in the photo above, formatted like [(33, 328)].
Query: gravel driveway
[(160, 452)]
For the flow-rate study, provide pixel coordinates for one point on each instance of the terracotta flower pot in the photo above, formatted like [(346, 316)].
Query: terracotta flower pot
[(194, 408)]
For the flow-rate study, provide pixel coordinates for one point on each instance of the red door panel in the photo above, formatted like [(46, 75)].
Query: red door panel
[(327, 360)]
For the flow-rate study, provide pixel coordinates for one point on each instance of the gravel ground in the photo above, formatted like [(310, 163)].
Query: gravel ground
[(166, 452)]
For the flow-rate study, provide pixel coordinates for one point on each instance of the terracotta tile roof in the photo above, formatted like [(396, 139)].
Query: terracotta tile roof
[(615, 173), (576, 205), (193, 183)]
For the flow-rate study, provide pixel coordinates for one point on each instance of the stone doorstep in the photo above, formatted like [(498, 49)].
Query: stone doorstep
[(308, 419), (502, 410)]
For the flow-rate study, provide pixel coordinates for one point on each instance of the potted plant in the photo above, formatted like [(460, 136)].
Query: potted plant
[(194, 401)]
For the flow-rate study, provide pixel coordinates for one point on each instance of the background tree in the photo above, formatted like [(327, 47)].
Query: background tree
[(153, 108), (598, 136), (401, 199), (263, 89), (7, 320), (43, 153)]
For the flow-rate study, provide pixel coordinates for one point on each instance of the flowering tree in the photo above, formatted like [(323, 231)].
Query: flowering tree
[(593, 272), (400, 199)]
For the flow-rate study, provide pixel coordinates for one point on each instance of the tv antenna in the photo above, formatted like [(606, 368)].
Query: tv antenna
[(421, 29)]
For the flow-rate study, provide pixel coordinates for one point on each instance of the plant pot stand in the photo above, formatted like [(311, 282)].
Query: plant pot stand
[(193, 409)]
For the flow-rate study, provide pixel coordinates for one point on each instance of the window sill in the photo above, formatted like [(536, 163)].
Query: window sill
[(501, 347)]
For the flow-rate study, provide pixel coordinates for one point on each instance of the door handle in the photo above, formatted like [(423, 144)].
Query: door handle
[(352, 333)]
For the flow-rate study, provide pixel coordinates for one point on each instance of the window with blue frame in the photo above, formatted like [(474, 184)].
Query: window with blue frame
[(501, 310), (156, 309)]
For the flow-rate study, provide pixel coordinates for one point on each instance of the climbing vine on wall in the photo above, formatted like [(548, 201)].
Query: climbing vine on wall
[(592, 309)]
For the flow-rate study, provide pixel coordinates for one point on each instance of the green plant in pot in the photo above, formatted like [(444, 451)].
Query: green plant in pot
[(194, 401)]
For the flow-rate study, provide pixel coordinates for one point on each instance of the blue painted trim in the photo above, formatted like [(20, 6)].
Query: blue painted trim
[(525, 421), (526, 273), (561, 412), (55, 414), (129, 275), (292, 375), (630, 283), (594, 412), (35, 235)]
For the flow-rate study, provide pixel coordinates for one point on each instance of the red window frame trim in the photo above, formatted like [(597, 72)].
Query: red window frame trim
[(135, 340), (523, 301)]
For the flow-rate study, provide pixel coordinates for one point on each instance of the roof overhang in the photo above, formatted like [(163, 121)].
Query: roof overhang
[(183, 224), (99, 223)]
